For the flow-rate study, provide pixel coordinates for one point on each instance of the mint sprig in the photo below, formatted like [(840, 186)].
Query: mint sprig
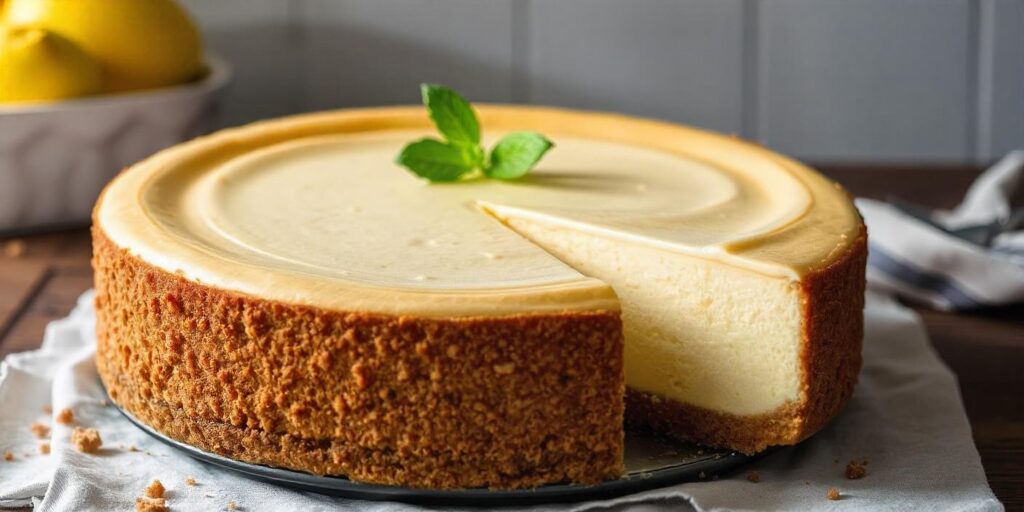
[(460, 155)]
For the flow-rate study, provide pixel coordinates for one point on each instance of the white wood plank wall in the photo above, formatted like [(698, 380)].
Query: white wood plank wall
[(912, 81)]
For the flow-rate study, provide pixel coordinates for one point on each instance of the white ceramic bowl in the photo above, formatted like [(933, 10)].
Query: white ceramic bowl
[(56, 157)]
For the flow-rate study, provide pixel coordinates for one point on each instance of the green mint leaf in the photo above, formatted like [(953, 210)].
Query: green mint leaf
[(452, 114), (435, 160), (461, 153), (515, 154)]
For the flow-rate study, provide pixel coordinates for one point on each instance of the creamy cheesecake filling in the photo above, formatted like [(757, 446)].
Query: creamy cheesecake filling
[(312, 210), (702, 333)]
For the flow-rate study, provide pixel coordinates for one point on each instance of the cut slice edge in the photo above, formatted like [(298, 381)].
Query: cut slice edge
[(718, 353)]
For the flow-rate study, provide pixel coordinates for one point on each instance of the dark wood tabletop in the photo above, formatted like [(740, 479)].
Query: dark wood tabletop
[(42, 275)]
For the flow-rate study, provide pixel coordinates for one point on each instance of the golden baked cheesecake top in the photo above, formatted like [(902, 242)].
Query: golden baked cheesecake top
[(313, 210)]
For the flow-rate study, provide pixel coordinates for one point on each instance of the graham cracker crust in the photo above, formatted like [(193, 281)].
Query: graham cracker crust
[(503, 402)]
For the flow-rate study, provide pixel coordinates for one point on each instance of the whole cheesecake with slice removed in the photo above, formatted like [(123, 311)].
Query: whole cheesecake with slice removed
[(285, 294)]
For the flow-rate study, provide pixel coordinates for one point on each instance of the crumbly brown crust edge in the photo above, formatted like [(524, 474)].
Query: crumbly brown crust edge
[(503, 402), (833, 304)]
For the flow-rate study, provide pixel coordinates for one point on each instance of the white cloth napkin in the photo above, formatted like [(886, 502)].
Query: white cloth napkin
[(906, 418), (968, 258)]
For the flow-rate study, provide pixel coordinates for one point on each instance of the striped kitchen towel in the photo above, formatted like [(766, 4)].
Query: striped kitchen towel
[(967, 258)]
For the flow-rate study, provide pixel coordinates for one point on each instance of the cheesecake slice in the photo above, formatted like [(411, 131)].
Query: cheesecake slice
[(719, 354), (284, 294)]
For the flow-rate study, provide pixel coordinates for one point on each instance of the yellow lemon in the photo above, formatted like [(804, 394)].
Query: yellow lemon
[(37, 65), (140, 44)]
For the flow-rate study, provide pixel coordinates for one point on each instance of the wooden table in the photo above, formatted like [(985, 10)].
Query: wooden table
[(985, 350)]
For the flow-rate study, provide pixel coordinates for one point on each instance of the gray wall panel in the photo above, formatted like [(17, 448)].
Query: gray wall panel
[(677, 60), (259, 39), (376, 52), (1001, 72), (824, 80), (866, 80)]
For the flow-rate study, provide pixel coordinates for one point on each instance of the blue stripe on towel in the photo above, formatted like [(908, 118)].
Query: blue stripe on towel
[(921, 279)]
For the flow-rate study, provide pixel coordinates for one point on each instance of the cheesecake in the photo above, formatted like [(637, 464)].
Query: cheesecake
[(285, 294)]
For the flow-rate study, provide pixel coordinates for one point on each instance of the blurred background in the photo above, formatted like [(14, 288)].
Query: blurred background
[(829, 81)]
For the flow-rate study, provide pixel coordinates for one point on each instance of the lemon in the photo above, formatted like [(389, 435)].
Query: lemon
[(140, 44), (37, 65)]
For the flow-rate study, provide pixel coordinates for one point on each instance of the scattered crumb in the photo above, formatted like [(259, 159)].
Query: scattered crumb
[(65, 416), (105, 402), (836, 461), (833, 494), (86, 440), (147, 504), (754, 476), (232, 505), (132, 448), (8, 456), (40, 430), (190, 481), (48, 409), (44, 448), (855, 471), (864, 462), (807, 482), (155, 489), (14, 248)]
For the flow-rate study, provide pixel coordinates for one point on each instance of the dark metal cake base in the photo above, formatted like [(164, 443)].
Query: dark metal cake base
[(651, 462)]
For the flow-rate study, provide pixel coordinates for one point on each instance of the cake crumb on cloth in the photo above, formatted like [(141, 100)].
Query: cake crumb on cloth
[(147, 504), (855, 470), (65, 416), (40, 430), (86, 440), (155, 489)]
